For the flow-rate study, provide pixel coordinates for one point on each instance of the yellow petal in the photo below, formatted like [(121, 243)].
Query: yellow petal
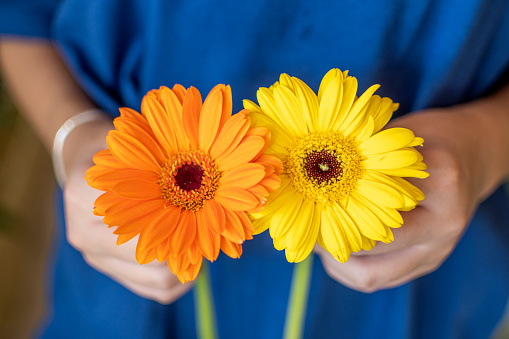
[(308, 102), (380, 193), (349, 226), (387, 107), (332, 233), (388, 140), (349, 95), (283, 219), (312, 235), (299, 233), (389, 216), (391, 160), (281, 140), (357, 113), (289, 109), (268, 105), (332, 74), (367, 223)]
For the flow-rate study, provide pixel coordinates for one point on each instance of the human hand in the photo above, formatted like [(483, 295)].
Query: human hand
[(89, 235), (460, 164)]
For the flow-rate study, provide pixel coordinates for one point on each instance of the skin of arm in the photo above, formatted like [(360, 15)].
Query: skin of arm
[(465, 148), (47, 95)]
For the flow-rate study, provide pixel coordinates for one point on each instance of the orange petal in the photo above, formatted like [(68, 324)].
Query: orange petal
[(127, 112), (183, 268), (191, 115), (266, 159), (130, 127), (209, 118), (133, 215), (138, 120), (207, 239), (246, 224), (227, 105), (236, 199), (130, 151), (180, 92), (173, 107), (260, 192), (137, 188), (232, 133), (144, 257), (271, 183), (244, 176), (160, 227), (194, 254), (106, 159), (184, 234), (106, 180), (231, 249), (95, 172), (214, 213), (104, 202), (178, 264), (123, 238), (159, 122), (262, 132), (234, 231), (245, 152), (163, 251)]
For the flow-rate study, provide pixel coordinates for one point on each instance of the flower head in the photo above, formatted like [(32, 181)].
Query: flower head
[(342, 183), (182, 175)]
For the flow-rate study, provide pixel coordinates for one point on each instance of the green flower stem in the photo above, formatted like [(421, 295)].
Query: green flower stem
[(297, 303), (204, 306)]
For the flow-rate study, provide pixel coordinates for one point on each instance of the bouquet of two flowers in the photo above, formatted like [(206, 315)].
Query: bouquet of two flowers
[(191, 179)]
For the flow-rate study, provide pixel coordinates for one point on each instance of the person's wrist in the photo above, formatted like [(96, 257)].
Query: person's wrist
[(79, 138)]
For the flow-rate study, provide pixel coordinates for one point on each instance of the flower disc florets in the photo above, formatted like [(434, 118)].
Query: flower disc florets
[(324, 166), (188, 179)]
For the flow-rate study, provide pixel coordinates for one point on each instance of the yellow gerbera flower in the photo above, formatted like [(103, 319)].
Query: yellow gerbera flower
[(342, 183), (182, 176)]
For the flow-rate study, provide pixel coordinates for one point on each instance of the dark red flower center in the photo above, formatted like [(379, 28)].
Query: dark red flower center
[(189, 177), (323, 166)]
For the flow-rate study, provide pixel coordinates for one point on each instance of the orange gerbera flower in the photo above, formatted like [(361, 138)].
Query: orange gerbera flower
[(182, 175)]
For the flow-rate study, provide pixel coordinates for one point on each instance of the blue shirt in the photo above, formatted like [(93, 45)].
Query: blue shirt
[(425, 54)]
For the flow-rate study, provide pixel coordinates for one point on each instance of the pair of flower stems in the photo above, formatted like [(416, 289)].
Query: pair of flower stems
[(295, 313)]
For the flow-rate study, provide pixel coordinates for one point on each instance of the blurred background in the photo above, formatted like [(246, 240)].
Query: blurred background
[(26, 224), (27, 190)]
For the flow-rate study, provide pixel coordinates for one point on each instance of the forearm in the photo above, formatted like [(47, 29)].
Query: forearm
[(476, 133), (41, 85), (493, 133)]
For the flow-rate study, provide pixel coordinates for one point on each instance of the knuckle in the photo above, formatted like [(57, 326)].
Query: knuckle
[(74, 238), (451, 173), (366, 282), (163, 279)]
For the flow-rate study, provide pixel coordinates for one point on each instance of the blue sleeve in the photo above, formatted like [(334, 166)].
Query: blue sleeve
[(26, 17)]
